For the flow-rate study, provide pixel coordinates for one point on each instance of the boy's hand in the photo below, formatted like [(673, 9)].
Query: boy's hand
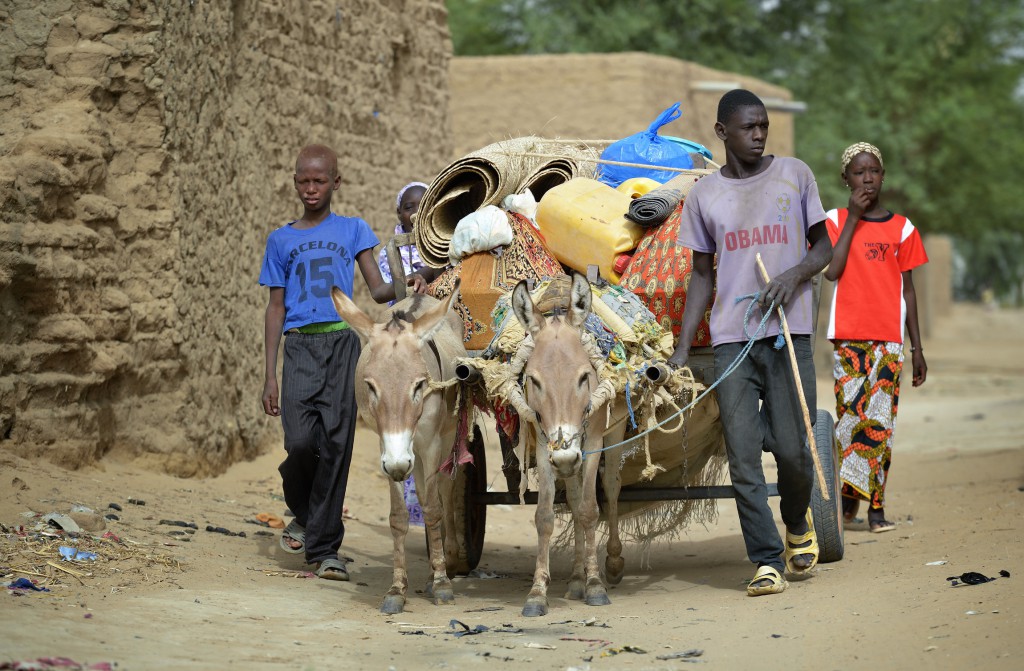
[(270, 399), (781, 289), (679, 358), (417, 283)]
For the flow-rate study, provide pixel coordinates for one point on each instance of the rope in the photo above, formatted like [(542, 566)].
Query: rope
[(629, 406), (434, 385), (751, 339), (604, 161)]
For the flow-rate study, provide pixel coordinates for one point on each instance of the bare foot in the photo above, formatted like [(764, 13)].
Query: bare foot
[(850, 508)]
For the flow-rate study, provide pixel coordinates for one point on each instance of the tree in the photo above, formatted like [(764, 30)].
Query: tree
[(938, 85)]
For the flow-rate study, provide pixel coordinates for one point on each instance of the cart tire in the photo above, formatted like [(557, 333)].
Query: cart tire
[(471, 516), (473, 482), (828, 516)]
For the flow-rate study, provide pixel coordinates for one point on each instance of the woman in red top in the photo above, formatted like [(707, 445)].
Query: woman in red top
[(874, 253)]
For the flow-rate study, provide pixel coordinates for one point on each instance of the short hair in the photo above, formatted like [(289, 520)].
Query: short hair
[(735, 99), (318, 152), (861, 148)]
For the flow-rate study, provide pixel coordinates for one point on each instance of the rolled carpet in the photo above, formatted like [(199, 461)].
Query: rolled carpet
[(485, 177), (654, 208)]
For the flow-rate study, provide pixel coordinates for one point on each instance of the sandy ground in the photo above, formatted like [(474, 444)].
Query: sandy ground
[(215, 602)]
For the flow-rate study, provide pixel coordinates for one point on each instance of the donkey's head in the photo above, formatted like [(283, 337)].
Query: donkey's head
[(392, 380), (558, 378)]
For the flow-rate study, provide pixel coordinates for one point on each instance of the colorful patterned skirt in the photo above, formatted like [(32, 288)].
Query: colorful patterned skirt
[(867, 388)]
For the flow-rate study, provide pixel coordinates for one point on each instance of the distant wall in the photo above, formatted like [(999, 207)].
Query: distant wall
[(597, 97), (146, 151)]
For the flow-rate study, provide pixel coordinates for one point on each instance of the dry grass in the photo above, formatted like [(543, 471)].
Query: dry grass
[(37, 555)]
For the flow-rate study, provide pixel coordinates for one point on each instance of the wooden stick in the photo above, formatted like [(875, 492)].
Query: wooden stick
[(799, 389), (604, 161), (76, 574)]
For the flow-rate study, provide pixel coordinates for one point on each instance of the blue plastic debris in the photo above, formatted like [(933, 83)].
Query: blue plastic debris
[(72, 554), (25, 583)]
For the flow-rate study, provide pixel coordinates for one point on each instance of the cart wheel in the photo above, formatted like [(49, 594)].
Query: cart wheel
[(471, 516), (474, 482), (828, 515)]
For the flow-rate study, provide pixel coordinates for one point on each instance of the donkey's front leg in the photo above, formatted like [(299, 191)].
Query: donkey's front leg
[(595, 594), (394, 599), (544, 518), (578, 580)]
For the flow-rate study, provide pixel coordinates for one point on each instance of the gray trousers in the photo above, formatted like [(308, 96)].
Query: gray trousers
[(761, 411), (318, 413)]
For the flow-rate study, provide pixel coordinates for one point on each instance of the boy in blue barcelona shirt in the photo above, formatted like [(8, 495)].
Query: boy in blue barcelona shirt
[(303, 260)]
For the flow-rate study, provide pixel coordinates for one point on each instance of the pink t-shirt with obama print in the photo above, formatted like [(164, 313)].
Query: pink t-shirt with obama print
[(735, 219)]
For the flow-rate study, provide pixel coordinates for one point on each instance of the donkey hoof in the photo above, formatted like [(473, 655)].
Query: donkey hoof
[(535, 609), (575, 591), (393, 604), (599, 599), (614, 569), (443, 596)]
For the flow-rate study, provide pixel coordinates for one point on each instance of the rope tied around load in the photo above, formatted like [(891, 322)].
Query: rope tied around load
[(762, 327)]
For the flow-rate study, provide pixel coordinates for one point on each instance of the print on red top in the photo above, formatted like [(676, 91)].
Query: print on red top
[(868, 300)]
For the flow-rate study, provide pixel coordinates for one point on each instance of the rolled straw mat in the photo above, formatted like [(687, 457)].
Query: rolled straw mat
[(485, 177), (655, 207)]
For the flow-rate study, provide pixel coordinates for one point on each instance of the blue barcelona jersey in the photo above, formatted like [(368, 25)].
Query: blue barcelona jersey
[(308, 262)]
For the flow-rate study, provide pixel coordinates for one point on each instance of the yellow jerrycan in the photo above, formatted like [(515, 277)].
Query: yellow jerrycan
[(583, 222), (638, 186)]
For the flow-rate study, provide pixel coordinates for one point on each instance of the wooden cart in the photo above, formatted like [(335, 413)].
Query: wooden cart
[(471, 485)]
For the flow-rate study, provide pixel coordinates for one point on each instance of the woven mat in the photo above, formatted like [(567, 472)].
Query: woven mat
[(655, 207), (485, 177)]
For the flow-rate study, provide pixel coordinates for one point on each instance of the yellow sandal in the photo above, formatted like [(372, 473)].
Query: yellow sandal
[(811, 549), (777, 583)]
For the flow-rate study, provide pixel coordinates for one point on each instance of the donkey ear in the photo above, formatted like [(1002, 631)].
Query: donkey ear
[(358, 320), (524, 309), (580, 298), (433, 319)]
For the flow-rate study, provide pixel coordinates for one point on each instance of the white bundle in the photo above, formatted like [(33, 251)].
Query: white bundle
[(480, 231)]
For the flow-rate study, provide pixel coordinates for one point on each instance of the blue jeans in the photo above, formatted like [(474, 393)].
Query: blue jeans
[(760, 411)]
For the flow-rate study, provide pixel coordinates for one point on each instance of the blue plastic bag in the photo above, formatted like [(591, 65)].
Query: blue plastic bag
[(648, 148)]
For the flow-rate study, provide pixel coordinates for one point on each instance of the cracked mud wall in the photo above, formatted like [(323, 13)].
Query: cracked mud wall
[(146, 151)]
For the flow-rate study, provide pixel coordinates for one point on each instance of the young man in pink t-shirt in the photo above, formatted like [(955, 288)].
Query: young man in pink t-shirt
[(767, 205)]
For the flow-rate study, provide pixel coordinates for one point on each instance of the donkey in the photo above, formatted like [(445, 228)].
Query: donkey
[(559, 381), (414, 344)]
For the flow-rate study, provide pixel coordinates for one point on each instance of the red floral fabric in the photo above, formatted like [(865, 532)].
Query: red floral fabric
[(660, 275)]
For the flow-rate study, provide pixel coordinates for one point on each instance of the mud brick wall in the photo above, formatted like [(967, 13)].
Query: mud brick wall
[(598, 97), (146, 151)]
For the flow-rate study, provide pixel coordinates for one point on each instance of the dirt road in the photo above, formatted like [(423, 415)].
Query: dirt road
[(154, 601)]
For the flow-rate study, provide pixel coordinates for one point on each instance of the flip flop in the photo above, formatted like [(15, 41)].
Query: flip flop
[(877, 524), (271, 520), (295, 532), (777, 583), (793, 550), (332, 569)]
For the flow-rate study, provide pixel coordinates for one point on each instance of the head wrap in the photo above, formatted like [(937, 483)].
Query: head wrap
[(860, 148), (401, 192)]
